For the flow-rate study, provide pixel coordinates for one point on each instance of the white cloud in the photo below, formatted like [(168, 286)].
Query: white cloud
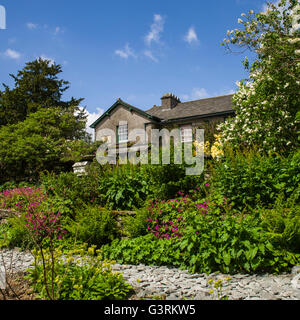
[(12, 54), (44, 57), (92, 117), (155, 30), (202, 93), (150, 55), (197, 93), (191, 36), (31, 25), (126, 52), (58, 30)]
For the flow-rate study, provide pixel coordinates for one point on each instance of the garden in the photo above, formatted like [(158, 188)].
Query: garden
[(241, 215)]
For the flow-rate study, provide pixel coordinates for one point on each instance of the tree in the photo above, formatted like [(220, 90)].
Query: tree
[(37, 85), (266, 104), (44, 141)]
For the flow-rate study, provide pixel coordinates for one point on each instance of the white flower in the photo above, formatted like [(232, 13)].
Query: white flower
[(240, 20), (243, 15), (251, 11)]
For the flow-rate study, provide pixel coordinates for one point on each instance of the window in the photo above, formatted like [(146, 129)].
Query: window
[(122, 133), (186, 133)]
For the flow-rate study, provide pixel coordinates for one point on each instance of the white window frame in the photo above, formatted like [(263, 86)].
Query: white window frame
[(123, 133), (186, 133)]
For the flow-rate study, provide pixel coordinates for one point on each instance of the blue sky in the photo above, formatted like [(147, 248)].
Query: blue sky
[(135, 49)]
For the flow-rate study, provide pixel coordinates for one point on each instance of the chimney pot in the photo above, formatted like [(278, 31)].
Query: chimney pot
[(169, 101)]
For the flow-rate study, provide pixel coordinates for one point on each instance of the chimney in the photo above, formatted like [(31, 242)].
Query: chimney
[(169, 101)]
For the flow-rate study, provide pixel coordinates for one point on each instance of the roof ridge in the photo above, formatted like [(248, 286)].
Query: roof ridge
[(225, 95)]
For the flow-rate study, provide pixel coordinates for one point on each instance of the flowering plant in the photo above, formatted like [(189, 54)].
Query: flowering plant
[(168, 218), (21, 199), (266, 104)]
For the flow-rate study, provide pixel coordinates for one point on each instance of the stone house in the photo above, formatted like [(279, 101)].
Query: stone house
[(122, 117)]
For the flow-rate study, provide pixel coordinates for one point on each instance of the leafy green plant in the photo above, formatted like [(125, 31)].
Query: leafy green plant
[(251, 178), (69, 190), (135, 226), (282, 223), (211, 242), (80, 274), (93, 226), (123, 187), (15, 233), (217, 289)]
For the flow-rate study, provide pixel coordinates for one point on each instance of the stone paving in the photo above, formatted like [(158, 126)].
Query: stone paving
[(175, 284)]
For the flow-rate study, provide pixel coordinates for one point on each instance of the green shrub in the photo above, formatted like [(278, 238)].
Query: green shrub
[(282, 223), (93, 226), (69, 189), (16, 233), (251, 178), (144, 249), (85, 277), (135, 226), (211, 242), (123, 187), (166, 180)]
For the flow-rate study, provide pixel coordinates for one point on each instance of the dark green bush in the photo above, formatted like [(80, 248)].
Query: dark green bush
[(252, 178), (165, 181), (135, 226), (93, 226), (70, 190), (16, 234), (282, 223), (211, 242), (123, 187)]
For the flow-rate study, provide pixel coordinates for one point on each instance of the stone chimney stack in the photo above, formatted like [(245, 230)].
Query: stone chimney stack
[(169, 101)]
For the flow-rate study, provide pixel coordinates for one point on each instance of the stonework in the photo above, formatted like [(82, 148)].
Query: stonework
[(174, 284)]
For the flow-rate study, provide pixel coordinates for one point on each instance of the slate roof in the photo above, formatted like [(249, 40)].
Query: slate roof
[(197, 108), (202, 108)]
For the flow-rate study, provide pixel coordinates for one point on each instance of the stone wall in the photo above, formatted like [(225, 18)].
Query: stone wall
[(121, 114)]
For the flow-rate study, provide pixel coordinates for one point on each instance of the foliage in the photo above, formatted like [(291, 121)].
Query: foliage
[(214, 239), (266, 104), (15, 234), (93, 226), (20, 199), (38, 143), (282, 223), (166, 180), (123, 187), (79, 275), (36, 86), (216, 291), (255, 179), (168, 218), (70, 190), (135, 226)]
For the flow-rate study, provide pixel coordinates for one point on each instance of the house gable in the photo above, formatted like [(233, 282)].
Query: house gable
[(120, 115), (127, 106)]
